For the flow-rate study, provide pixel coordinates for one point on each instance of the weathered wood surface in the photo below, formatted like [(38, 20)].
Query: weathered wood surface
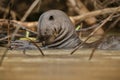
[(59, 65)]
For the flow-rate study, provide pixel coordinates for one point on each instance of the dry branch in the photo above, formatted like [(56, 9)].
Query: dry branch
[(80, 8), (30, 9), (111, 26), (96, 13), (13, 14), (29, 26), (90, 35)]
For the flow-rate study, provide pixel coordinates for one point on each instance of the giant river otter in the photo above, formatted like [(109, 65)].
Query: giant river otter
[(55, 30)]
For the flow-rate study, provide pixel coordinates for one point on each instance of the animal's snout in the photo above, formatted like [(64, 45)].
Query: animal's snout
[(43, 38)]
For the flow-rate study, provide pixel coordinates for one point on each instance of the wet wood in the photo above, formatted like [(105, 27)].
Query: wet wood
[(60, 65)]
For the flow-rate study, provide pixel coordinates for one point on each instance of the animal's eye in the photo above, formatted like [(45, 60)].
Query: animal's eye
[(51, 18)]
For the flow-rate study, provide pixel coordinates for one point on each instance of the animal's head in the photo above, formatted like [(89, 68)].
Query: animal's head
[(54, 26)]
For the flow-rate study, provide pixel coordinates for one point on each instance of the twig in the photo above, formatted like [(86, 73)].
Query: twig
[(80, 8), (9, 18), (8, 36), (36, 46), (24, 18), (110, 27), (88, 28), (30, 10), (96, 13), (23, 27), (6, 50), (3, 56), (16, 30), (13, 14), (12, 38), (89, 36)]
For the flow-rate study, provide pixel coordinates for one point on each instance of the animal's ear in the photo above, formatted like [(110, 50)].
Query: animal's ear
[(51, 17)]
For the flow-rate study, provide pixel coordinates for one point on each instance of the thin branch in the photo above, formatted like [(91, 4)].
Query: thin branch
[(96, 13), (13, 14), (29, 26), (6, 50), (89, 36), (88, 28), (12, 38), (30, 10), (110, 27), (23, 27), (36, 46), (6, 37)]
